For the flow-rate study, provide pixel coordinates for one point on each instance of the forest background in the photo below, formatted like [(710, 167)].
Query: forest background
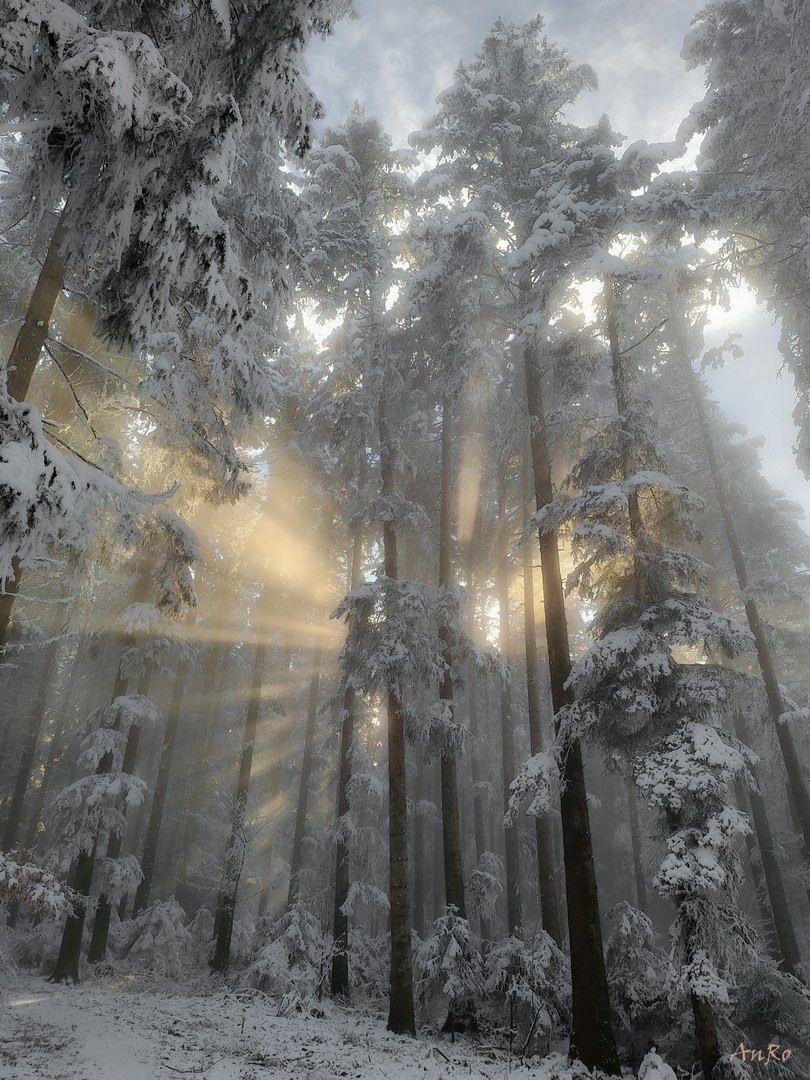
[(457, 402)]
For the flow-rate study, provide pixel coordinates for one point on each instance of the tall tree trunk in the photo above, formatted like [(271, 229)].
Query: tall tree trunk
[(400, 1013), (759, 885), (150, 847), (296, 862), (549, 909), (339, 984), (706, 1031), (592, 1038), (419, 849), (234, 853), (211, 706), (451, 827), (514, 917), (21, 365), (475, 751), (635, 843)]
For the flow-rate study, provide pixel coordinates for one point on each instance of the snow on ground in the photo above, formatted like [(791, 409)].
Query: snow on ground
[(133, 1028)]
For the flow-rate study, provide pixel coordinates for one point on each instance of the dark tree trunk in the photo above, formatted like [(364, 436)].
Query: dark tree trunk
[(514, 916), (70, 950), (475, 752), (400, 1013), (296, 861), (210, 710), (21, 365), (706, 1031), (635, 841), (339, 984), (758, 884), (234, 854), (419, 847), (451, 827), (150, 847), (592, 1038), (549, 909)]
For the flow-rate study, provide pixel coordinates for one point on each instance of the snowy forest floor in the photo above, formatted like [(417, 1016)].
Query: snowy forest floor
[(131, 1027)]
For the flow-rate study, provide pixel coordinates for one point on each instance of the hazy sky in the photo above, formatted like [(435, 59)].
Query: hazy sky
[(397, 56)]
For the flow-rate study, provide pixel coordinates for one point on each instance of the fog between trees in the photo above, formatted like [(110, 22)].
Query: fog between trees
[(381, 618)]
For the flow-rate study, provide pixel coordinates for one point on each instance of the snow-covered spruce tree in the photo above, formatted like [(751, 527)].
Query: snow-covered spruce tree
[(773, 544), (167, 125), (528, 981), (641, 690), (751, 173), (448, 974), (358, 187), (641, 977), (550, 193)]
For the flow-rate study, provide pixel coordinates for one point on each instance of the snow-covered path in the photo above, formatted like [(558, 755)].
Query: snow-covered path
[(116, 1030)]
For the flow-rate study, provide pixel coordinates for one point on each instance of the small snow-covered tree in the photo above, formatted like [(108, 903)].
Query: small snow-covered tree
[(641, 980), (449, 974), (91, 808), (530, 980)]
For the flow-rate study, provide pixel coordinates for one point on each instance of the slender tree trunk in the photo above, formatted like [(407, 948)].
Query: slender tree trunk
[(514, 917), (211, 708), (234, 854), (296, 862), (549, 910), (780, 909), (57, 740), (475, 751), (419, 848), (758, 884), (451, 827), (144, 891), (29, 750), (592, 1038), (34, 331), (776, 703), (635, 841), (339, 985), (400, 1014)]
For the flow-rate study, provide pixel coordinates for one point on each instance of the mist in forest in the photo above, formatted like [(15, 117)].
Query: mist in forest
[(404, 621)]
